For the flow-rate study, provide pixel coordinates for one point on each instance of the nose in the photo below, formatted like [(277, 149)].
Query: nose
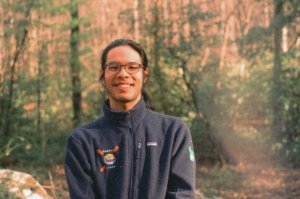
[(123, 66), (123, 71)]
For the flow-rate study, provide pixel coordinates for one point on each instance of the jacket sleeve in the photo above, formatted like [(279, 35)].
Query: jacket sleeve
[(77, 170), (181, 183)]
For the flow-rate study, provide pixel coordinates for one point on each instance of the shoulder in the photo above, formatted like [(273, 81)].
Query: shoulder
[(157, 115), (94, 124), (156, 118), (88, 129)]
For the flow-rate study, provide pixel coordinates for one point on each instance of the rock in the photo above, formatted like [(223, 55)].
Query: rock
[(14, 184), (199, 195)]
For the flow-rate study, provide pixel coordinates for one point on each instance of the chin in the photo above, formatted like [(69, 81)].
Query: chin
[(125, 98)]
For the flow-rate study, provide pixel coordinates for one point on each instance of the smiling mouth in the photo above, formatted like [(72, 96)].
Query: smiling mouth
[(123, 85)]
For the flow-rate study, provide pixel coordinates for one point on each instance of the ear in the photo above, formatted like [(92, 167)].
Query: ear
[(102, 79), (146, 74)]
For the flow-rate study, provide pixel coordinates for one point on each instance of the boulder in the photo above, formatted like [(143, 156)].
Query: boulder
[(19, 185)]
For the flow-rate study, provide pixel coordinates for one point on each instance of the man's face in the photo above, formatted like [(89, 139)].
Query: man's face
[(124, 89)]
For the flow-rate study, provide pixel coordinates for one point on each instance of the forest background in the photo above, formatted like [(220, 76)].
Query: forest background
[(228, 68)]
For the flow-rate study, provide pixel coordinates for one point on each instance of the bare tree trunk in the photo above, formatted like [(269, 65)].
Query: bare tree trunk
[(174, 29), (41, 57), (276, 104), (156, 30), (279, 22), (75, 66), (136, 20), (148, 20), (266, 14), (214, 144), (186, 26), (1, 43), (2, 69), (11, 85), (18, 50), (285, 47), (39, 101), (222, 56), (157, 37)]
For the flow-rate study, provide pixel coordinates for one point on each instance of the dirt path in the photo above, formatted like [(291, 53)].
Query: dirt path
[(273, 183), (255, 182), (261, 181)]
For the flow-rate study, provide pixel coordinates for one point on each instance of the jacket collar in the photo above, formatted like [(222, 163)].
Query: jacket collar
[(136, 114)]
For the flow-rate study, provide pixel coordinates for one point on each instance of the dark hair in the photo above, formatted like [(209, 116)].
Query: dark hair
[(148, 102), (124, 42), (135, 46)]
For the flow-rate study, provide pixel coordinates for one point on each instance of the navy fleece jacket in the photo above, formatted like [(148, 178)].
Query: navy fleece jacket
[(136, 154)]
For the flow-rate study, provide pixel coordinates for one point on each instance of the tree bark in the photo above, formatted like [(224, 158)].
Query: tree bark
[(276, 90), (75, 65), (2, 69), (136, 20), (1, 43), (41, 58), (11, 84), (19, 48), (156, 52)]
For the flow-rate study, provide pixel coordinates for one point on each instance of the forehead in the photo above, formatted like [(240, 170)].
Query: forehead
[(123, 54)]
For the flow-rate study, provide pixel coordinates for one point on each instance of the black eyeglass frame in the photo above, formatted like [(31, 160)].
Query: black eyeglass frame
[(126, 66)]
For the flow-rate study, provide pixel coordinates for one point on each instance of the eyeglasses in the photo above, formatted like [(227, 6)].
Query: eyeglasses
[(115, 67)]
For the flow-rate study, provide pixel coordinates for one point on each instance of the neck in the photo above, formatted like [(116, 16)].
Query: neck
[(123, 105)]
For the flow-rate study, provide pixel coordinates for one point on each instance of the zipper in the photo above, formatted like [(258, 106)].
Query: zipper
[(138, 152), (134, 154), (131, 141)]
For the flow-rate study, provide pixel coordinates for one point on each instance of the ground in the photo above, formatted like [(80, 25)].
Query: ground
[(253, 182), (239, 182)]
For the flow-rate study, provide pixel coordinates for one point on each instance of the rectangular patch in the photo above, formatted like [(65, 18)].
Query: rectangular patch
[(192, 154), (151, 144)]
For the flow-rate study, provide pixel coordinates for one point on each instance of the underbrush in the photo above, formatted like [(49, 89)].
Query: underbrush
[(218, 181)]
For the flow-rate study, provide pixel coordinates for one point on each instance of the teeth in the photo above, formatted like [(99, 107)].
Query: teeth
[(124, 85)]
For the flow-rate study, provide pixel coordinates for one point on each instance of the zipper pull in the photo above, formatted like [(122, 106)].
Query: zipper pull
[(138, 153)]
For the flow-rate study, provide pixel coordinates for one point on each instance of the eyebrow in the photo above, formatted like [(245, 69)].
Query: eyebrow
[(112, 62)]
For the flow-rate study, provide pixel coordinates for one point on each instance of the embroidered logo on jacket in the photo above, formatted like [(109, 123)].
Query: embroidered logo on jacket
[(108, 157), (151, 144)]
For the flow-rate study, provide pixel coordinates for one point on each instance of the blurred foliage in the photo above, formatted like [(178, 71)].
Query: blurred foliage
[(289, 147), (13, 143)]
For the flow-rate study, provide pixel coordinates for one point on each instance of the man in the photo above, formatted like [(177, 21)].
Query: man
[(130, 152)]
